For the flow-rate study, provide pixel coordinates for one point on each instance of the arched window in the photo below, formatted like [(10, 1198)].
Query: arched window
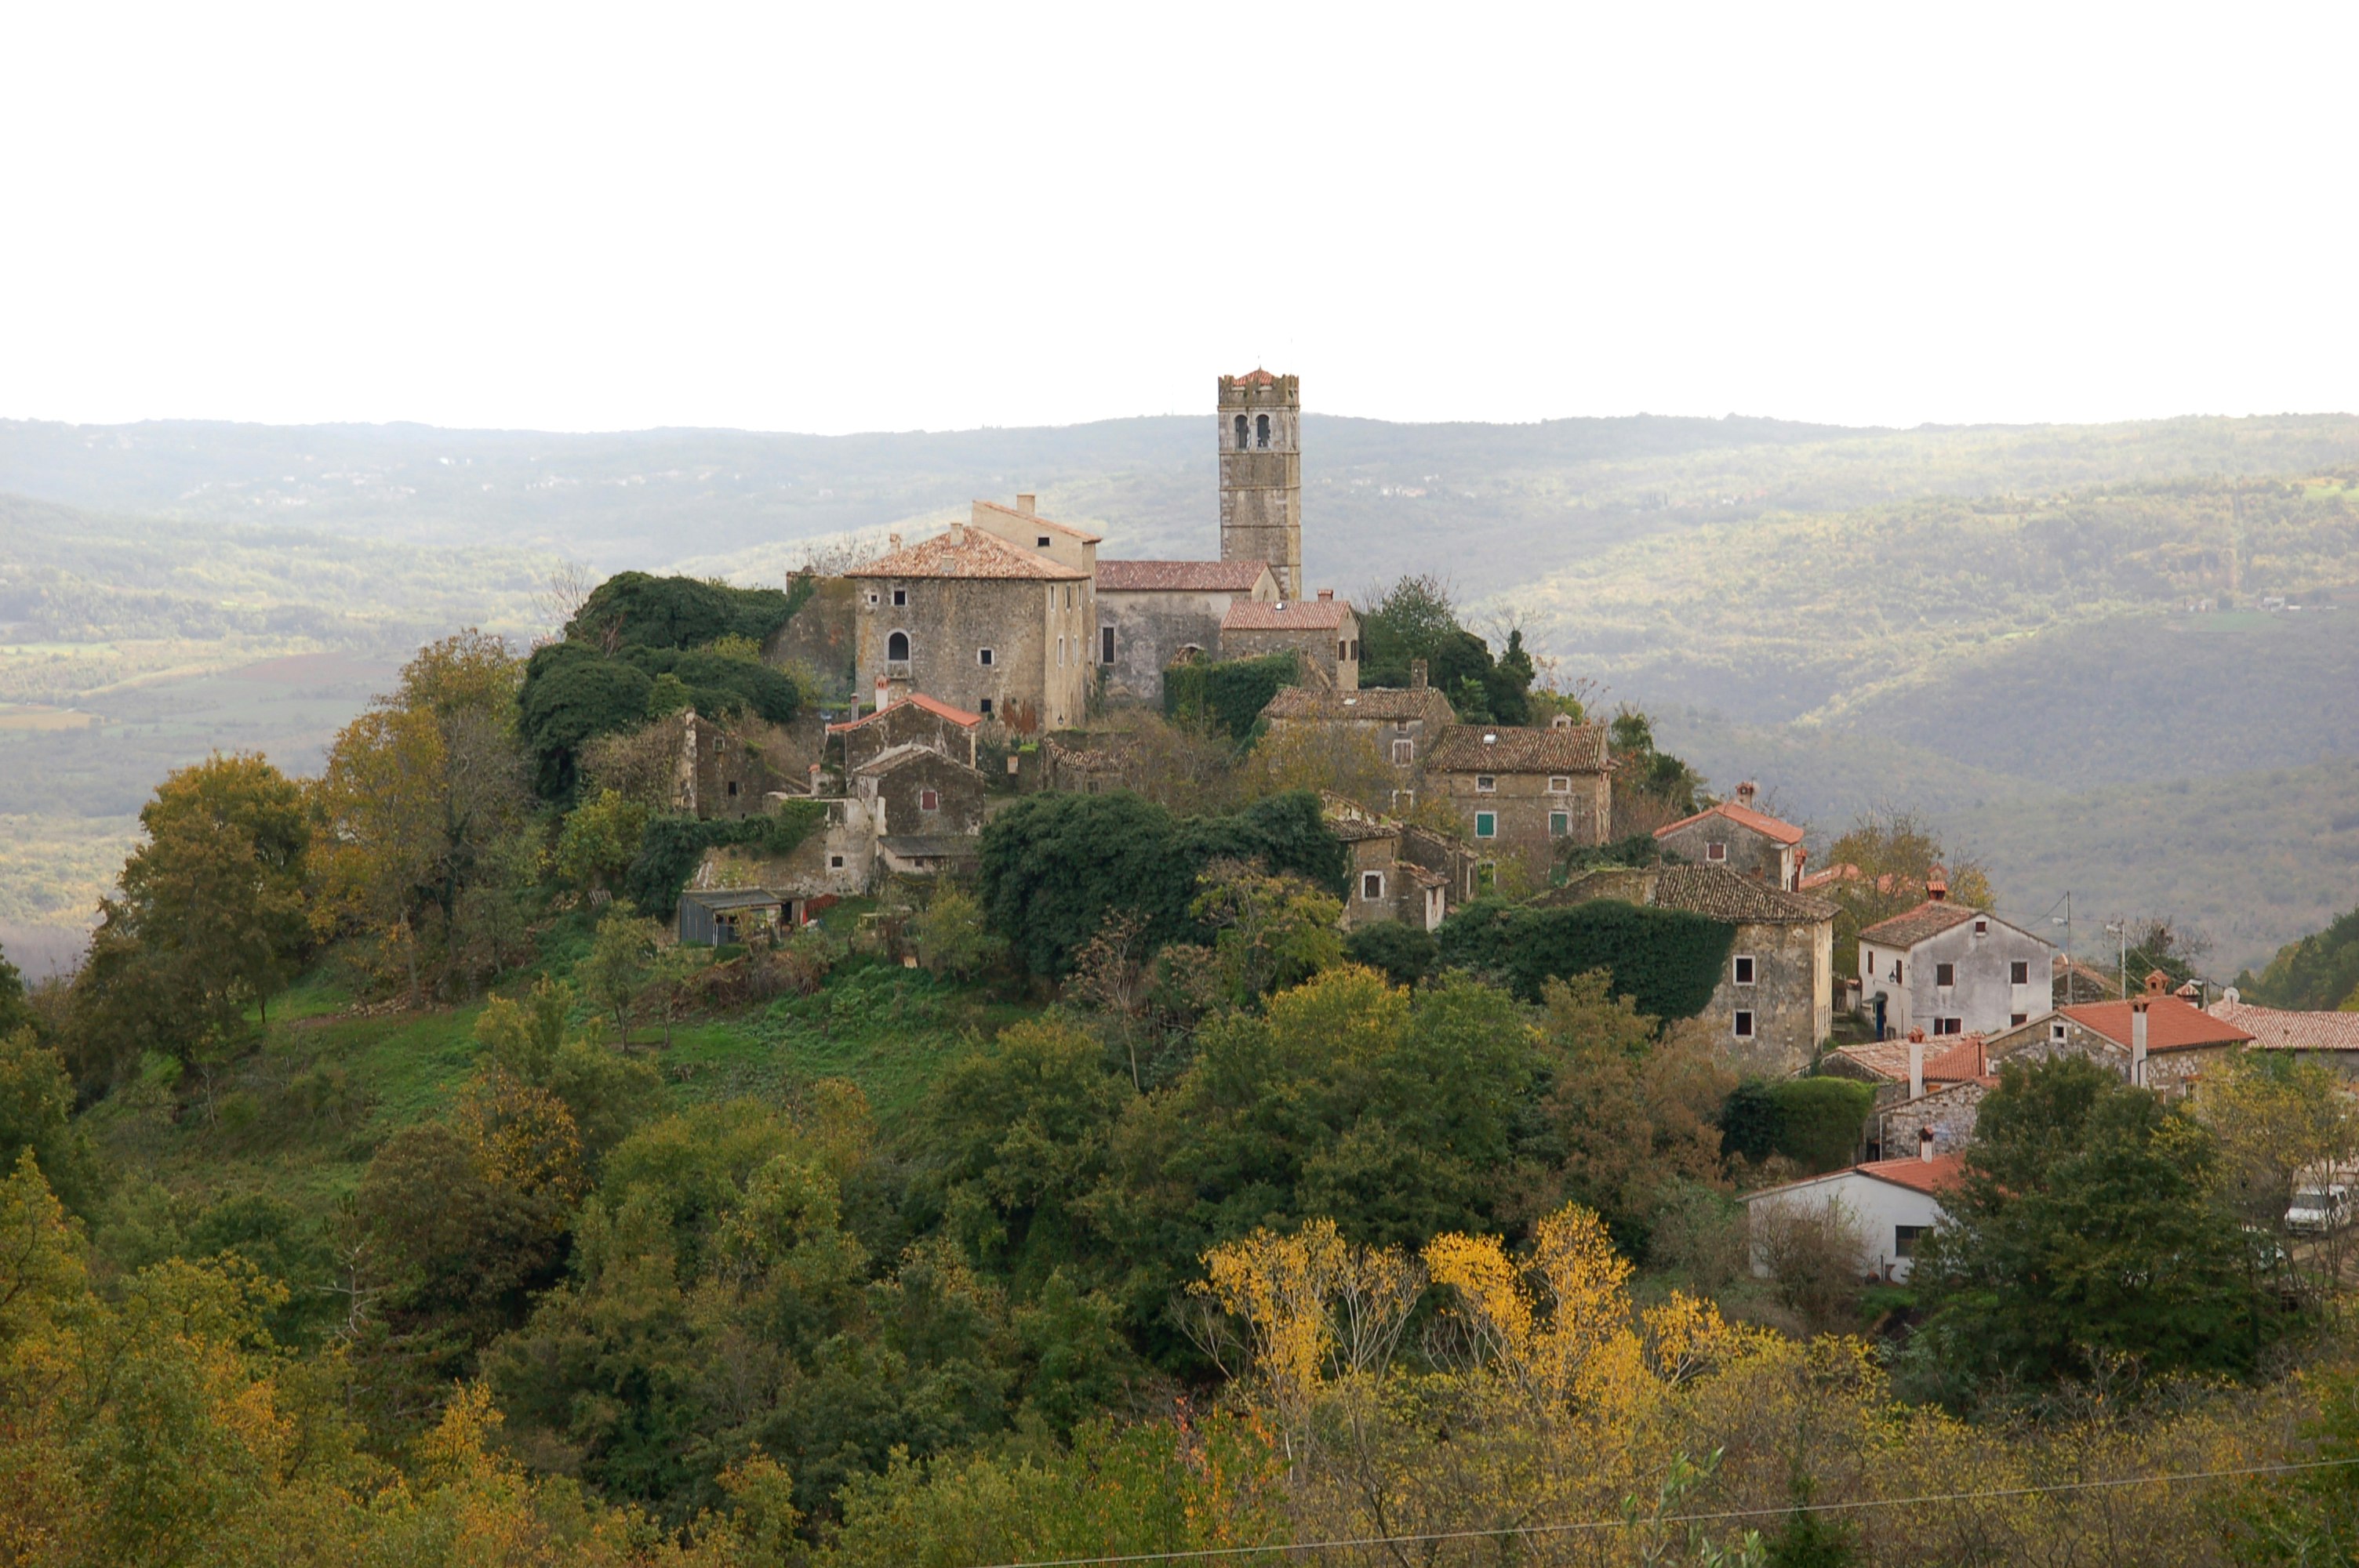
[(1241, 432), (1261, 430), (897, 647)]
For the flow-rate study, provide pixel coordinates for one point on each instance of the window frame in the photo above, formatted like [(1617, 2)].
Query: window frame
[(1945, 976), (1486, 824), (1904, 1239), (1487, 784), (1744, 1025), (900, 598), (1404, 750), (1744, 970), (1560, 783), (908, 646), (1559, 824), (1371, 881), (986, 658), (1715, 853), (1105, 644), (2019, 972), (930, 800)]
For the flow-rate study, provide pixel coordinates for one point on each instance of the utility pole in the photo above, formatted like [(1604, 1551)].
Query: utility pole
[(2122, 931), (2066, 922)]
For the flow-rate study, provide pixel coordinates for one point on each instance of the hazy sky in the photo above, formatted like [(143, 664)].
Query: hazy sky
[(860, 217)]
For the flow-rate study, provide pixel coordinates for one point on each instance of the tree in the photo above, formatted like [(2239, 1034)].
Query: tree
[(1882, 864), (951, 935), (1269, 931), (16, 1012), (1415, 619), (1405, 954), (2318, 973), (208, 917), (600, 840), (1651, 788), (2085, 1229), (620, 963), (37, 1102)]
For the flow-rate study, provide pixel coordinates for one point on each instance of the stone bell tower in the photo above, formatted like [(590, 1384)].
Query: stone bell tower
[(1261, 474)]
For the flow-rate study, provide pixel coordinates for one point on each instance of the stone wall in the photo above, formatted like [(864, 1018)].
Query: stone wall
[(837, 858), (1150, 630), (1951, 1110), (897, 796), (1037, 632), (1751, 854), (1792, 995), (1334, 655), (1521, 806)]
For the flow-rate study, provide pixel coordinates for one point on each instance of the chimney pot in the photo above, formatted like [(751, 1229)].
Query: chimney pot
[(1416, 675), (1916, 1063), (1937, 886), (1028, 504), (1326, 593), (1925, 1144)]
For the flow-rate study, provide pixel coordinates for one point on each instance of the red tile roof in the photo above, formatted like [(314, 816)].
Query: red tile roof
[(1948, 1058), (1084, 535), (1180, 577), (964, 552), (2170, 1024), (1935, 1176), (1963, 1060), (1504, 749), (2279, 1029), (1761, 822), (939, 709), (1928, 919), (1368, 704), (1255, 377), (1287, 615)]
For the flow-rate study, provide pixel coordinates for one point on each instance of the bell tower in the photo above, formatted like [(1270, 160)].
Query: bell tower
[(1261, 474)]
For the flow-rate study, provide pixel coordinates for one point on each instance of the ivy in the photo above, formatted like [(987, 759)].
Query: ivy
[(1229, 695), (674, 846), (1817, 1120), (1668, 961)]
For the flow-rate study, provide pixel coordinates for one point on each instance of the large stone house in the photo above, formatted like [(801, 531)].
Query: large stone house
[(2153, 1040), (1521, 792), (1152, 612), (1775, 1001), (928, 808), (1023, 526), (1323, 630), (1926, 1091), (1400, 871), (1947, 968), (1735, 835), (982, 625), (1401, 724)]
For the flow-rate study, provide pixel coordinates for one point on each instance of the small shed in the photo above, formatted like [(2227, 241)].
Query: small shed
[(712, 916)]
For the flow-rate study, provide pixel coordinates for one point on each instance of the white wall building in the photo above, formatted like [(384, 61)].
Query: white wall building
[(1893, 1202)]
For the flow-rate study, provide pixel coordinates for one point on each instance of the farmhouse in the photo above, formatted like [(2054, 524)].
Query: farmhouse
[(1892, 1203), (1522, 791), (1947, 969), (1733, 834), (1402, 725), (1400, 871)]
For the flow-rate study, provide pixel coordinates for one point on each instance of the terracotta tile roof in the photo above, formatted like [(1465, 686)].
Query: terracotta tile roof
[(1502, 749), (1254, 377), (1962, 1060), (1287, 615), (1929, 919), (1761, 822), (1935, 1176), (1728, 896), (1351, 821), (1378, 703), (964, 552), (1180, 577), (939, 709), (1948, 1058), (1084, 535), (2170, 1024), (2277, 1029)]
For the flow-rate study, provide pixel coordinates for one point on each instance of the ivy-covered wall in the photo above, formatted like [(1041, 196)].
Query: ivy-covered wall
[(669, 855), (1666, 960), (1230, 693)]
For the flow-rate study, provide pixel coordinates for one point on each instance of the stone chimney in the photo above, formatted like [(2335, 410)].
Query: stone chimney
[(1745, 792), (2138, 1041), (893, 541), (883, 691), (958, 534), (1916, 1063), (1937, 886), (1028, 504), (1416, 675)]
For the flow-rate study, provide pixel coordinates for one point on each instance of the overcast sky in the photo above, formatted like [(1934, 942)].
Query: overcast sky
[(859, 217)]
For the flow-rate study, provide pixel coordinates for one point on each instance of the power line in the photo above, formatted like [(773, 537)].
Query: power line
[(1202, 1553)]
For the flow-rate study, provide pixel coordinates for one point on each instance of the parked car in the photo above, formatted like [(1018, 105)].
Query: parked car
[(2319, 1210)]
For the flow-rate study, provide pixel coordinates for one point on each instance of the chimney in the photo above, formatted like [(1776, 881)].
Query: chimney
[(1745, 792), (2157, 983), (1416, 675), (893, 541), (958, 533), (2138, 1041), (1028, 504), (1925, 1144), (883, 691), (1326, 593), (1916, 1063), (1937, 886)]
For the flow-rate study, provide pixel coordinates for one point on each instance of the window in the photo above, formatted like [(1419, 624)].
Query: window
[(1560, 783), (1895, 971), (1949, 1026), (1487, 876), (1559, 824), (1404, 750), (2056, 1032), (1105, 644), (1069, 597), (1715, 851), (983, 657), (1241, 432), (1486, 824), (1042, 542), (1342, 653), (1485, 785), (1743, 1024), (930, 800), (1261, 431), (2018, 974), (1945, 974), (733, 787), (2015, 1018), (986, 707), (1372, 885), (1982, 927), (900, 596), (1061, 651), (1745, 969), (835, 862), (897, 647), (1904, 1239), (874, 601)]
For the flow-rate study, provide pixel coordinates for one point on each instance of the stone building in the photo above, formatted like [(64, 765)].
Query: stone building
[(1323, 630), (1023, 526), (1151, 613), (1733, 834), (916, 720), (1403, 724), (1400, 871), (2328, 1039), (984, 626), (926, 809), (1947, 969), (1775, 1001), (724, 768), (2155, 1040), (1260, 435), (1521, 792)]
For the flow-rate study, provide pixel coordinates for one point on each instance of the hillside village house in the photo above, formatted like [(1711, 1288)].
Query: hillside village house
[(982, 624), (1947, 969), (1323, 630), (1775, 1002), (2153, 1040), (1400, 871), (2330, 1039), (1521, 792), (1733, 834), (1926, 1091), (1895, 1203), (1153, 612), (1403, 725), (916, 720), (1023, 526)]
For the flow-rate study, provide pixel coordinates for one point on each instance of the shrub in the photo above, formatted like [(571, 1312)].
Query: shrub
[(1228, 695), (1405, 954), (1667, 961), (1819, 1119), (670, 848)]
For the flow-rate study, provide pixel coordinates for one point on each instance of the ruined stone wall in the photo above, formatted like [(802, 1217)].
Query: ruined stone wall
[(898, 796), (1150, 630), (1318, 648)]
